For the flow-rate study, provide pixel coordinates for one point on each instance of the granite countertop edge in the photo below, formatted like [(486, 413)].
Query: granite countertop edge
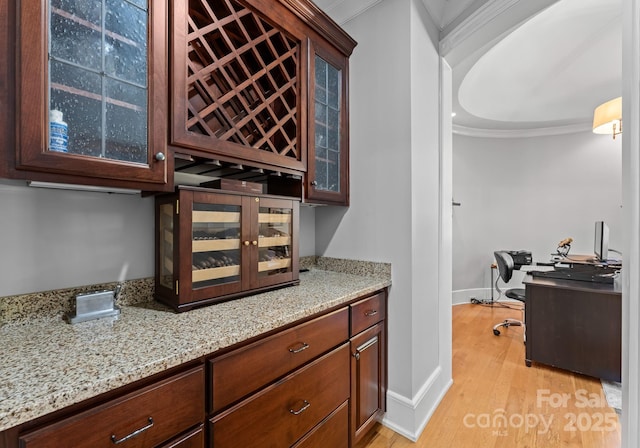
[(105, 354)]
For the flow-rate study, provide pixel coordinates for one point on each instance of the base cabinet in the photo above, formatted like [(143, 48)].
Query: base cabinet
[(332, 432), (283, 413), (316, 383), (141, 419), (368, 364)]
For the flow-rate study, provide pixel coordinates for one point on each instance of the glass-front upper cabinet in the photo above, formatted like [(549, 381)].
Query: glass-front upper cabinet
[(328, 160), (87, 106)]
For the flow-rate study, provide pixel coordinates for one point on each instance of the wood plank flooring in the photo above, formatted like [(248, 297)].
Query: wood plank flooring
[(496, 401)]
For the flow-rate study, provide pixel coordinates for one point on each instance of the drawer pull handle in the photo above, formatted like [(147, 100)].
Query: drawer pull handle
[(305, 406), (117, 441), (302, 348), (370, 313)]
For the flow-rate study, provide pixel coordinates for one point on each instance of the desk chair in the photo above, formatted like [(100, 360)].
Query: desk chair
[(505, 271)]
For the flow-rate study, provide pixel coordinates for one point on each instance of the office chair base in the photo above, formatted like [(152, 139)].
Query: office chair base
[(506, 323)]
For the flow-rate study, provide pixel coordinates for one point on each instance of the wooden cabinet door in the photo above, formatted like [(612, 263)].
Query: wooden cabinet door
[(368, 379), (327, 179), (102, 73)]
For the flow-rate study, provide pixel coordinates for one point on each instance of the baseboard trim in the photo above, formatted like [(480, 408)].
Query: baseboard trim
[(408, 417)]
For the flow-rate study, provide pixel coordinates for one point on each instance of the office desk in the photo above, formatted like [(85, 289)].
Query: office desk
[(574, 325)]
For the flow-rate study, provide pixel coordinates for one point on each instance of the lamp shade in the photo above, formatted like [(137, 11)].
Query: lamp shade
[(607, 117)]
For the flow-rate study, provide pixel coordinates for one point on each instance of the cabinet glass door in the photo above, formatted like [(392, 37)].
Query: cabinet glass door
[(91, 96), (328, 170), (98, 91), (215, 244), (327, 126), (275, 240)]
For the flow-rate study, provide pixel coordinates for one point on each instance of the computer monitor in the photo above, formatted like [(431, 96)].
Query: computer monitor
[(601, 241)]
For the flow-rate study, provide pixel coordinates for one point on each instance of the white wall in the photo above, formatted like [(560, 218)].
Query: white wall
[(394, 212), (52, 239), (530, 193), (307, 237)]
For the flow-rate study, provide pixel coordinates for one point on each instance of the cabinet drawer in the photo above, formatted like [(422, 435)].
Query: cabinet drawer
[(283, 413), (150, 416), (246, 370), (332, 432), (367, 312)]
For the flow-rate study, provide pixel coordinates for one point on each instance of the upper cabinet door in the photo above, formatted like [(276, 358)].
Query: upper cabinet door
[(92, 82), (327, 179), (236, 82)]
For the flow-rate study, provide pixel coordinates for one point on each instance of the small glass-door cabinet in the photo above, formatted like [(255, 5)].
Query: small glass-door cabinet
[(328, 149), (213, 246), (87, 74)]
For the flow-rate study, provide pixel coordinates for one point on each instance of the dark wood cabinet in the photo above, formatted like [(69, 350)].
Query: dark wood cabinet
[(315, 383), (368, 364), (244, 371), (574, 325), (327, 179), (282, 413), (238, 89), (214, 246), (142, 418), (121, 96), (90, 106), (264, 83)]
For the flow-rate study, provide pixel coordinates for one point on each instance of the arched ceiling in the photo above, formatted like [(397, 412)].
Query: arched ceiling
[(549, 73), (522, 67)]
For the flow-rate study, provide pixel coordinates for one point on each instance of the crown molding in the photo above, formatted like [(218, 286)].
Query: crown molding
[(475, 21), (521, 133), (342, 11)]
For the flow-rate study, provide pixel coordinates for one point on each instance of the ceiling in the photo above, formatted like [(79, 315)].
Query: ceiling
[(545, 75)]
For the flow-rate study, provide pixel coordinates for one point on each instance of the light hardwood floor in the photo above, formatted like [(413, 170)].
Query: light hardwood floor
[(496, 401)]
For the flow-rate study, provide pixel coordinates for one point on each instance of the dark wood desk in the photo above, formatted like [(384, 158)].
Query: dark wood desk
[(574, 325)]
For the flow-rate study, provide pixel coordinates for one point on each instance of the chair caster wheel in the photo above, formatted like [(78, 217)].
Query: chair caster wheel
[(496, 332)]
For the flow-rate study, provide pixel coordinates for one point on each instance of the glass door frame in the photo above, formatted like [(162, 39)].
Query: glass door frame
[(32, 100)]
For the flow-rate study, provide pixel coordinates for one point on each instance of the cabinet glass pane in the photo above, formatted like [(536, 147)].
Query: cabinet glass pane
[(215, 244), (327, 125), (274, 241), (126, 122), (166, 245), (98, 92)]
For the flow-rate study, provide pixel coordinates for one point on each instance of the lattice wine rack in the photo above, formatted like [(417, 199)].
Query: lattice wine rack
[(241, 78)]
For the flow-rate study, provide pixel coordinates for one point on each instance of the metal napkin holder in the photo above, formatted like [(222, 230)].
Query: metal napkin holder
[(94, 305)]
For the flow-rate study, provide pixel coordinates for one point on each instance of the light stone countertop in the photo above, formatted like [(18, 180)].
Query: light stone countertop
[(47, 364)]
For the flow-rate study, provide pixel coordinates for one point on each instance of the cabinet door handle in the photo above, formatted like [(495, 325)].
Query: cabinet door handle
[(302, 348), (370, 313), (314, 183), (117, 441), (365, 346), (255, 243), (160, 157), (246, 243), (305, 406)]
